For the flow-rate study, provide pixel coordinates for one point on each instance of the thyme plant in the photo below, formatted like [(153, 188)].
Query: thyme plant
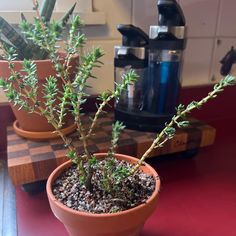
[(22, 90), (22, 87)]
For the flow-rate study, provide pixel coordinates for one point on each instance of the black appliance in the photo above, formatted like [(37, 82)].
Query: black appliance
[(150, 102)]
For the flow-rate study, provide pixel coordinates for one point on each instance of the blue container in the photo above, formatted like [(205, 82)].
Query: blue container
[(163, 82)]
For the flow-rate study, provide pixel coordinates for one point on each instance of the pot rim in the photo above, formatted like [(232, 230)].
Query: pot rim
[(104, 215), (62, 54)]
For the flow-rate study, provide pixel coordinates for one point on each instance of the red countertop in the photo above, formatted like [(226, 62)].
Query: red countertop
[(198, 195)]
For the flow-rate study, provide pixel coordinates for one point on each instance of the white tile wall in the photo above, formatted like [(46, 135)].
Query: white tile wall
[(105, 74), (23, 4), (14, 5), (197, 61), (201, 17), (117, 12), (205, 19), (81, 5), (144, 14), (227, 19)]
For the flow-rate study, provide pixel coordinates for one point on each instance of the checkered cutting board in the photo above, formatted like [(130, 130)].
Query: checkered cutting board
[(30, 161)]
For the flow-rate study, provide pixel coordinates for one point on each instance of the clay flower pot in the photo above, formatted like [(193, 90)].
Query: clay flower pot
[(125, 223), (33, 125)]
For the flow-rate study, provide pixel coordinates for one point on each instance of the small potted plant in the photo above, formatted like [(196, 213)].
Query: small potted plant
[(34, 125), (93, 193)]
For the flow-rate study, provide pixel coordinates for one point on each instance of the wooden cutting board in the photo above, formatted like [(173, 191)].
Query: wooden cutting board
[(31, 161)]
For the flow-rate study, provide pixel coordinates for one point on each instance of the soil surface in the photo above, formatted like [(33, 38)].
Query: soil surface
[(126, 194)]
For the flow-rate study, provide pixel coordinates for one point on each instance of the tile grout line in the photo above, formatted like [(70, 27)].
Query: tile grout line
[(211, 72)]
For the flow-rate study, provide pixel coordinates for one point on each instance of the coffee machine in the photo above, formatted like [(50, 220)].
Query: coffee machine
[(133, 53), (153, 103)]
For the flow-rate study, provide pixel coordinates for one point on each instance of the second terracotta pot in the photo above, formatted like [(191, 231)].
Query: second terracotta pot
[(34, 122)]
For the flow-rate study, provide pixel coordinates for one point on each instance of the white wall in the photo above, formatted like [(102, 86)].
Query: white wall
[(211, 33)]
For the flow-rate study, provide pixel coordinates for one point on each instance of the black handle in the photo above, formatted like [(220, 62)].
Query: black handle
[(132, 36), (170, 13), (227, 61)]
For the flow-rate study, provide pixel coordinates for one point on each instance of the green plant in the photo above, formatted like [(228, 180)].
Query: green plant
[(25, 47), (74, 95)]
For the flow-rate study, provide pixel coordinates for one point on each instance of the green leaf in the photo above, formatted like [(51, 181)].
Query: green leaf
[(23, 18), (103, 96), (194, 105), (12, 35), (46, 9), (183, 124), (120, 173), (180, 108), (170, 132), (71, 154), (92, 161), (2, 83), (11, 54), (36, 5), (63, 21), (229, 80)]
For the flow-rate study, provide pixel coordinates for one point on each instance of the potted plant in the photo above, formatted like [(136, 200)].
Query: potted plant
[(34, 125), (106, 194)]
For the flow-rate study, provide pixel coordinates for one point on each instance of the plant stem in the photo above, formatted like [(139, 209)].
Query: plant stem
[(88, 181), (35, 3), (127, 79), (98, 112), (158, 142), (80, 128), (83, 137)]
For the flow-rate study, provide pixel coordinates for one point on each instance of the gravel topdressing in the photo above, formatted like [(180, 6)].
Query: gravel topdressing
[(133, 191)]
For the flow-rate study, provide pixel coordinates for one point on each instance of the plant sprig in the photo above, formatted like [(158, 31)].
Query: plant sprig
[(169, 131), (117, 128), (127, 79)]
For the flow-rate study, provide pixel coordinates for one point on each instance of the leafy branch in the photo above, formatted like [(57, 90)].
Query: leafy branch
[(127, 79), (45, 36), (117, 127), (169, 131)]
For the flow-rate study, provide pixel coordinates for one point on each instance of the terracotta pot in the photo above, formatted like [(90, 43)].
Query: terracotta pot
[(125, 223), (34, 122)]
